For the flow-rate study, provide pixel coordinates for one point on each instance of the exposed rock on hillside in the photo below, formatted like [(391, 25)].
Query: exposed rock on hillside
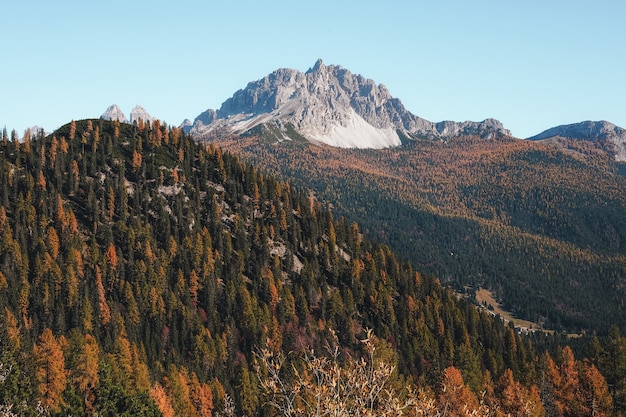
[(113, 112), (139, 113), (592, 131)]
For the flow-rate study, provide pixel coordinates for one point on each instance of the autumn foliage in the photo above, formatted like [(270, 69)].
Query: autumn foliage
[(540, 225), (145, 285)]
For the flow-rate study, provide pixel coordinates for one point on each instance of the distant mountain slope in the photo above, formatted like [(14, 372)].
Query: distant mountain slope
[(329, 105), (600, 131), (542, 226)]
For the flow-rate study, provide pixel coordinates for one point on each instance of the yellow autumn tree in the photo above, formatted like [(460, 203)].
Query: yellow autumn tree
[(455, 398), (85, 371), (105, 311), (201, 396), (517, 400), (136, 160), (72, 130), (597, 400), (162, 400), (50, 370), (111, 256), (53, 242), (12, 329), (193, 288)]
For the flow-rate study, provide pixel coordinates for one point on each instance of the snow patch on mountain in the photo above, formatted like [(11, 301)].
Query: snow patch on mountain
[(355, 133)]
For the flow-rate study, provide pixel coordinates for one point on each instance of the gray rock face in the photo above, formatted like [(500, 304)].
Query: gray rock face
[(114, 113), (186, 125), (204, 119), (139, 112), (331, 105), (592, 131)]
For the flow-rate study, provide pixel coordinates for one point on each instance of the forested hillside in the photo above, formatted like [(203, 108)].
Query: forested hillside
[(542, 226), (140, 272)]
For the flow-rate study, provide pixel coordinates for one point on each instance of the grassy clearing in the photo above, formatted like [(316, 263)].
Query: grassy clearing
[(485, 297)]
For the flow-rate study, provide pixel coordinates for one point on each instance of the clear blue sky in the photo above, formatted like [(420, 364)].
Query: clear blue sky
[(531, 64)]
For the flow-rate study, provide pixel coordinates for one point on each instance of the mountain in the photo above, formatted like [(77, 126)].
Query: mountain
[(113, 112), (599, 131), (329, 105), (488, 199), (139, 113)]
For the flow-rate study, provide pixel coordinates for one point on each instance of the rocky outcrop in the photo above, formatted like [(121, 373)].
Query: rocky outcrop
[(113, 112), (138, 113), (595, 131), (329, 104), (204, 119)]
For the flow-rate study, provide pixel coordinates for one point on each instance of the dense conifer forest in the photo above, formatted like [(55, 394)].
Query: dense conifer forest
[(541, 226), (143, 274)]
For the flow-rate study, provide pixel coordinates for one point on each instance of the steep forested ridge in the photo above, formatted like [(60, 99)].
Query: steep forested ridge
[(140, 271), (542, 226)]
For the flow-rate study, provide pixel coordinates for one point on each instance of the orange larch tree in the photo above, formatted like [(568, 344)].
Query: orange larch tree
[(50, 370), (597, 400), (105, 311), (455, 398), (162, 400)]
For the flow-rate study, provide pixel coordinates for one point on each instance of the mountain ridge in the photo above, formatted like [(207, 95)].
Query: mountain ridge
[(593, 131), (329, 105)]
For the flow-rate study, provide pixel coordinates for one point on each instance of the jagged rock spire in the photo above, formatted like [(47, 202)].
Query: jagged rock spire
[(113, 112)]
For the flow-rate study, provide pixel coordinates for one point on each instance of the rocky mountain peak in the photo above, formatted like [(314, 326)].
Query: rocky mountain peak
[(138, 113), (326, 104), (113, 112), (319, 65)]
